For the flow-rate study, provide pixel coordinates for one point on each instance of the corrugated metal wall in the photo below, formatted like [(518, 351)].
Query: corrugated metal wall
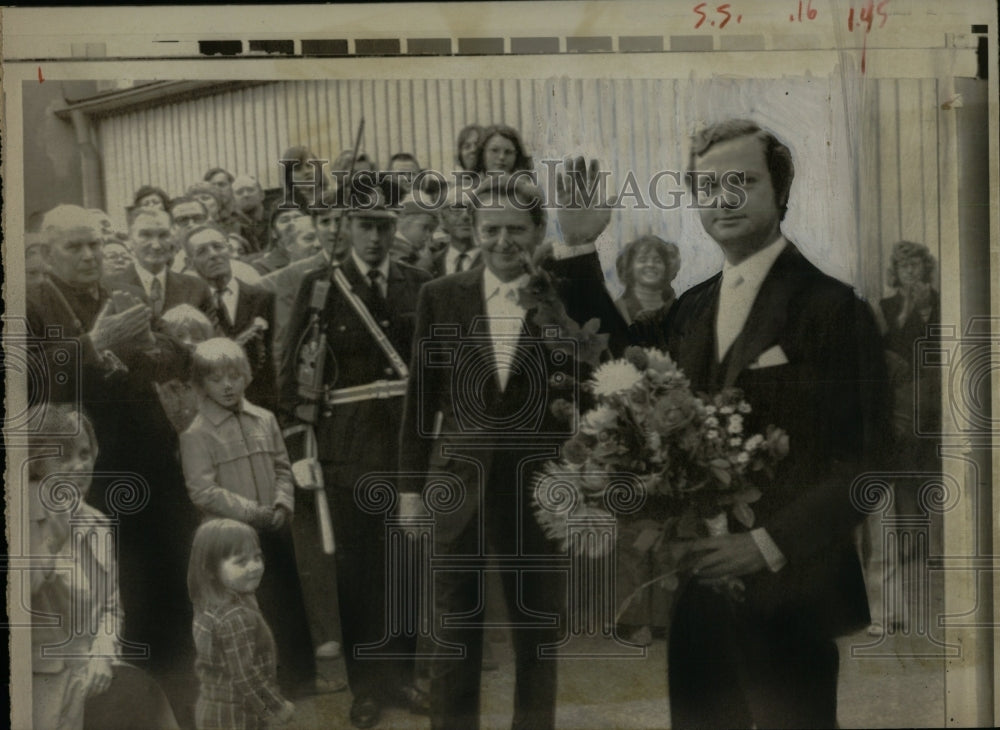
[(858, 189)]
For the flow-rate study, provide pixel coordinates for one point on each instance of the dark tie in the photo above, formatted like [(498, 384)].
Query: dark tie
[(156, 296), (375, 276), (460, 262), (227, 324)]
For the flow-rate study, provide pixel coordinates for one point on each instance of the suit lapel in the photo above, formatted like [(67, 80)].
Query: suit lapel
[(767, 317), (476, 326), (246, 308), (692, 340)]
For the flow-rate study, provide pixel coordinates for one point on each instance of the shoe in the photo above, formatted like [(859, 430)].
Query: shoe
[(365, 711), (876, 629), (412, 698), (322, 686), (329, 650)]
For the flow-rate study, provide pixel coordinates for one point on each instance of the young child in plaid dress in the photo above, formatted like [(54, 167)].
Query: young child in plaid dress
[(236, 660), (236, 466)]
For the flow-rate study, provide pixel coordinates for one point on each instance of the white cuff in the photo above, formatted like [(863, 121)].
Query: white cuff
[(769, 549)]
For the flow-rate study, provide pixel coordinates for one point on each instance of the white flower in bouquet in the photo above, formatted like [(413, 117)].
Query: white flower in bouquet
[(599, 419), (615, 377), (753, 443), (660, 361), (735, 424)]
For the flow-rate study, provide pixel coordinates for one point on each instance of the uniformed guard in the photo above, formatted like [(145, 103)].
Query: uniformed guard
[(350, 336)]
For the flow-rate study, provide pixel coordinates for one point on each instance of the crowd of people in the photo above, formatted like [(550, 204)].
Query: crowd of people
[(219, 323)]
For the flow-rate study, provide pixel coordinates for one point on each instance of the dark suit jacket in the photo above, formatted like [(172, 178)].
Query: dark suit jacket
[(179, 289), (831, 398), (453, 374), (355, 438), (438, 263), (253, 302), (580, 280)]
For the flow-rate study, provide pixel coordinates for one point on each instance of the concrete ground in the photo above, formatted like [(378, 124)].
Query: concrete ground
[(893, 680), (881, 685)]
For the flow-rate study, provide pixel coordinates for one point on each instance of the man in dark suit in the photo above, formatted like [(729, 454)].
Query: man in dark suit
[(150, 278), (368, 328), (478, 408), (805, 351), (461, 252), (245, 312)]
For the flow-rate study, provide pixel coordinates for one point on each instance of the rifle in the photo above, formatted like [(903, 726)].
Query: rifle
[(310, 357), (311, 351)]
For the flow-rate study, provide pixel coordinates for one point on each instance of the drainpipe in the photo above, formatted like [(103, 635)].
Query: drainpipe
[(90, 161)]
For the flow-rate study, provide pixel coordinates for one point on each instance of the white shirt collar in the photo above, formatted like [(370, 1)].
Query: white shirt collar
[(492, 286), (364, 268), (755, 267), (232, 287), (146, 278), (451, 257)]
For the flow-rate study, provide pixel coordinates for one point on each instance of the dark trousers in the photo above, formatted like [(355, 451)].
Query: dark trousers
[(535, 600), (280, 599), (361, 582), (728, 670), (317, 571)]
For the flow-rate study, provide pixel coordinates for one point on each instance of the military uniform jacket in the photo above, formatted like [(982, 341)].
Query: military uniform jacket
[(360, 436)]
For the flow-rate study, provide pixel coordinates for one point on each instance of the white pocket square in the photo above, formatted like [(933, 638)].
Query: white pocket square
[(770, 358)]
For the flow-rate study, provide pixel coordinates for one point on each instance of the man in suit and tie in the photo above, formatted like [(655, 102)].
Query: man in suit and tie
[(245, 312), (150, 278), (805, 351), (366, 316), (461, 253), (491, 429)]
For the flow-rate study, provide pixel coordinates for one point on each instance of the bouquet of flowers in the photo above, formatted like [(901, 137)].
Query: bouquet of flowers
[(692, 451)]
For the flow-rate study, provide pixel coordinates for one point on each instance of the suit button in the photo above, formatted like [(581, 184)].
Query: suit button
[(384, 323), (389, 371), (342, 328)]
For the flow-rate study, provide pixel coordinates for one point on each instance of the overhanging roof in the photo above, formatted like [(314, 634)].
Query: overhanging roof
[(152, 94)]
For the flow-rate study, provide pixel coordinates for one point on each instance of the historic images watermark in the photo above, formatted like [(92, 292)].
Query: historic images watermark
[(664, 190)]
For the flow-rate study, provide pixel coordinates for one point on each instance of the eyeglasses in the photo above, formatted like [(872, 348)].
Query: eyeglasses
[(186, 220)]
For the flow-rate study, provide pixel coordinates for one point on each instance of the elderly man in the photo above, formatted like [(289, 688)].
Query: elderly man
[(366, 318), (188, 213), (119, 359), (806, 353), (245, 312), (149, 277)]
